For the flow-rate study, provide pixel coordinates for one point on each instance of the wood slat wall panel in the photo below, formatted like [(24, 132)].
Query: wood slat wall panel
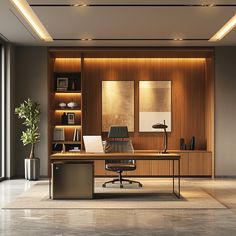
[(200, 164), (188, 96)]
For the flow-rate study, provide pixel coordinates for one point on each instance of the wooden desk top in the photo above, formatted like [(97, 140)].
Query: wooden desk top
[(137, 155)]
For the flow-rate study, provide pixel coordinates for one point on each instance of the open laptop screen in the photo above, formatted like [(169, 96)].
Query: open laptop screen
[(93, 143)]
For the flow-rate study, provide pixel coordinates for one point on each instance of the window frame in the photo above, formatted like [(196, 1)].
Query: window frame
[(3, 111)]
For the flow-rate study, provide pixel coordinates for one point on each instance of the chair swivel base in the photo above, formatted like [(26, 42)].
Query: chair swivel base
[(121, 182)]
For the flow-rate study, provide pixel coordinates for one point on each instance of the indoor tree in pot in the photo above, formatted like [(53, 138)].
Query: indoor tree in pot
[(30, 112)]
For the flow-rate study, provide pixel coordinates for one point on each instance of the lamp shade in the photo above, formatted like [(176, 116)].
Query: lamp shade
[(159, 126)]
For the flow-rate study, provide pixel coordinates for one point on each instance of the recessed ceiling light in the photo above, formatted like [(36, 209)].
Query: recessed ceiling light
[(27, 12), (224, 30), (83, 39), (178, 39), (79, 5)]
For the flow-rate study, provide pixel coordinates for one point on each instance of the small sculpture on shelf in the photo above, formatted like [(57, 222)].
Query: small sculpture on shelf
[(182, 144), (64, 119), (72, 105), (62, 105), (192, 143)]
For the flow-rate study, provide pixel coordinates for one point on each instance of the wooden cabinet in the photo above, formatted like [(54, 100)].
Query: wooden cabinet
[(200, 164), (193, 163)]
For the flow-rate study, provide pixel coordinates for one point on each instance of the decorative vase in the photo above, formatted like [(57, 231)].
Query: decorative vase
[(182, 144), (32, 167), (192, 143)]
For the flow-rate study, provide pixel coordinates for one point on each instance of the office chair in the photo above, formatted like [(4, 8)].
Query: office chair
[(116, 143)]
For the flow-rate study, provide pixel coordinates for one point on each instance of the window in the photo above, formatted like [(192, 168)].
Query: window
[(2, 112)]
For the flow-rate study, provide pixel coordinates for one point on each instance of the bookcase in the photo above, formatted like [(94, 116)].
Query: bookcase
[(65, 104), (81, 72)]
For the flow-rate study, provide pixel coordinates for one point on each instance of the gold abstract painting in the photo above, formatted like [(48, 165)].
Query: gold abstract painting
[(154, 105), (117, 104)]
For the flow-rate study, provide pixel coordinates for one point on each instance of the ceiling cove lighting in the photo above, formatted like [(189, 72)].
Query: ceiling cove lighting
[(26, 11), (224, 30)]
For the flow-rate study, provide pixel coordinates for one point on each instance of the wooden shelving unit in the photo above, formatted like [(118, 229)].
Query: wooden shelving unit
[(69, 70), (192, 74)]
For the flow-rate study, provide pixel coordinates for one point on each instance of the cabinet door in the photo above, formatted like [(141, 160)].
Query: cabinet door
[(200, 164), (142, 169), (161, 168), (184, 165), (99, 168)]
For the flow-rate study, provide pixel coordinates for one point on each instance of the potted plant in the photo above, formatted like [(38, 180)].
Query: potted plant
[(30, 112)]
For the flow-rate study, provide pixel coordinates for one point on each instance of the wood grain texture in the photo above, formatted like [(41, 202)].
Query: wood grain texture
[(188, 96), (62, 65), (200, 164), (192, 98)]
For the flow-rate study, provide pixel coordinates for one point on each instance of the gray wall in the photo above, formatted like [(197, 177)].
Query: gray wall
[(31, 82), (225, 111)]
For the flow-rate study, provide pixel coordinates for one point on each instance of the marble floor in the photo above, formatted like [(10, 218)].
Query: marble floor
[(121, 222)]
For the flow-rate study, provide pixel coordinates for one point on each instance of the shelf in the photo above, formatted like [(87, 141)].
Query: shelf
[(67, 110), (67, 92), (67, 142), (67, 126)]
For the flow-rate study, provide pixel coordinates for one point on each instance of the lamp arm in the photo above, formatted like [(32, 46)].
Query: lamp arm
[(165, 141)]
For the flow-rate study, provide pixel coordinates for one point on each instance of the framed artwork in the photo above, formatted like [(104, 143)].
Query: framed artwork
[(71, 118), (117, 104), (154, 105), (62, 83)]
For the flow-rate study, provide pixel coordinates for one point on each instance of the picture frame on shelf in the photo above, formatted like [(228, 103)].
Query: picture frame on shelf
[(62, 83), (71, 118)]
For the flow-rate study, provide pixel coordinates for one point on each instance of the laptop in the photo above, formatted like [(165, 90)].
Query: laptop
[(93, 143)]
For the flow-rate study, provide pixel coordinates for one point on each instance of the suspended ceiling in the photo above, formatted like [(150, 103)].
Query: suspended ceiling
[(121, 23)]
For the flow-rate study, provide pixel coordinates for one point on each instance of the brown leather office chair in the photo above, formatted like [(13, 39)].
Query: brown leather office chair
[(117, 142)]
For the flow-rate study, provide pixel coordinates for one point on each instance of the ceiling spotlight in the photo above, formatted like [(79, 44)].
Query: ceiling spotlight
[(224, 30), (89, 39), (178, 39), (79, 5)]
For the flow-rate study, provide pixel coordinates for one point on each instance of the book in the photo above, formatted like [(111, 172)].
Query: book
[(76, 135), (58, 134)]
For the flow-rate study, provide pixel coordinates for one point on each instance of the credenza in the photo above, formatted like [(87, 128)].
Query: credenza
[(195, 163)]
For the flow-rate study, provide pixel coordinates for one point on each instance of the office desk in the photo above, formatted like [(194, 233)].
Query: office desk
[(137, 155)]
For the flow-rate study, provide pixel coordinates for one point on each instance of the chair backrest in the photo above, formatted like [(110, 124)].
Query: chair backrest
[(118, 132), (116, 143)]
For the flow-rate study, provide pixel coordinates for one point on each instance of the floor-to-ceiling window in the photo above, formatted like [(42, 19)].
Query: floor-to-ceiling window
[(2, 112)]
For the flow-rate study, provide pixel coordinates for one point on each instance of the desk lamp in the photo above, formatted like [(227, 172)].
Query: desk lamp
[(162, 126)]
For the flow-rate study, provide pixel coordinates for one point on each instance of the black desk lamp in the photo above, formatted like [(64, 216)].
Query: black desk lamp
[(162, 126)]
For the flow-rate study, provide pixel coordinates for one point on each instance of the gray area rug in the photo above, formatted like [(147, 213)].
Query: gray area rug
[(155, 194)]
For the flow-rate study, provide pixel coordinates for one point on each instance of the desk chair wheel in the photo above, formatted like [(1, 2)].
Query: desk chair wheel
[(140, 185), (104, 185), (121, 186)]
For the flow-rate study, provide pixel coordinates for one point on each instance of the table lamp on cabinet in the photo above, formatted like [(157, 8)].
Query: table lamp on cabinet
[(164, 127)]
